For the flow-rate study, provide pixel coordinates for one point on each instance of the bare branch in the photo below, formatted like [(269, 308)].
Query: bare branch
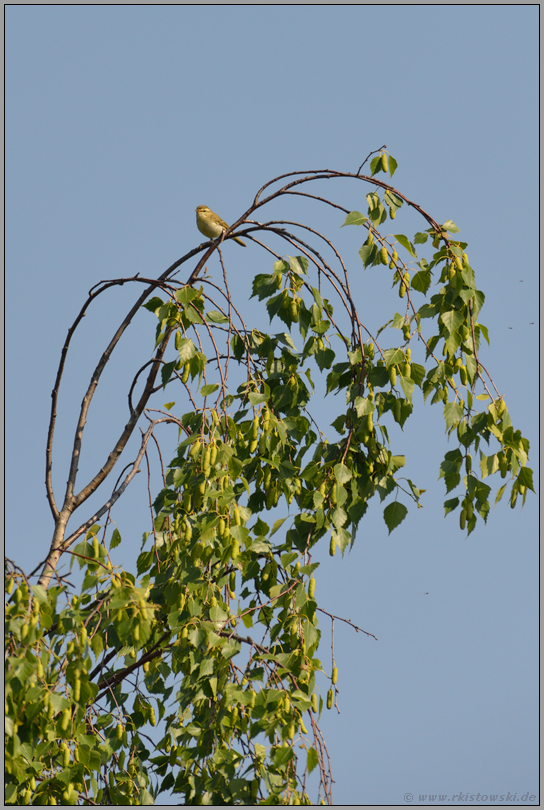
[(347, 621), (61, 544)]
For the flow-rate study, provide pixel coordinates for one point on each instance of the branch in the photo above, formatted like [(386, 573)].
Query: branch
[(93, 293), (107, 683), (347, 621), (117, 492), (85, 493)]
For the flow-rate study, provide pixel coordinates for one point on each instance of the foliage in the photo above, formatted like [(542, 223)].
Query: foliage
[(151, 682)]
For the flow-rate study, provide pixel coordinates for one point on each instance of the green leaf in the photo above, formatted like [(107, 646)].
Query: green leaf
[(320, 327), (375, 165), (453, 413), (452, 342), (115, 539), (97, 644), (450, 226), (385, 486), (483, 329), (526, 477), (450, 505), (452, 320), (337, 376), (257, 399), (379, 376), (193, 315), (342, 538), (166, 372), (238, 347), (209, 389), (452, 462), (422, 281), (355, 357), (394, 514), (277, 525), (393, 200), (489, 464), (398, 322), (281, 266), (282, 756), (396, 463), (263, 286), (299, 265), (376, 210), (216, 317), (417, 492), (500, 493), (406, 244), (364, 406), (338, 517), (342, 473), (154, 304), (312, 759), (418, 373), (355, 218), (392, 165), (207, 666), (420, 238), (258, 546), (368, 254), (407, 385), (187, 294), (393, 356), (429, 310)]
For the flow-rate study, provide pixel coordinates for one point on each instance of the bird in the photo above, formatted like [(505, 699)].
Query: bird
[(211, 225)]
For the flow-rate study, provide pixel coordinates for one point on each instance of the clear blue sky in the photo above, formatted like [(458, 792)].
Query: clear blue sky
[(120, 120)]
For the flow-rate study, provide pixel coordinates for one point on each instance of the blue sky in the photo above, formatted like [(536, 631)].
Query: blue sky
[(120, 120)]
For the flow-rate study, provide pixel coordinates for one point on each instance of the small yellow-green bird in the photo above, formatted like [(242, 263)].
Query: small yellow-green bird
[(211, 225)]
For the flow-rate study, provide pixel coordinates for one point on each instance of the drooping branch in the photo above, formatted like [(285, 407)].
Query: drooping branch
[(73, 500), (95, 291)]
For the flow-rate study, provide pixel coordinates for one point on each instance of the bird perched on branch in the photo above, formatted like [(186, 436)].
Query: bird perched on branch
[(211, 225)]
